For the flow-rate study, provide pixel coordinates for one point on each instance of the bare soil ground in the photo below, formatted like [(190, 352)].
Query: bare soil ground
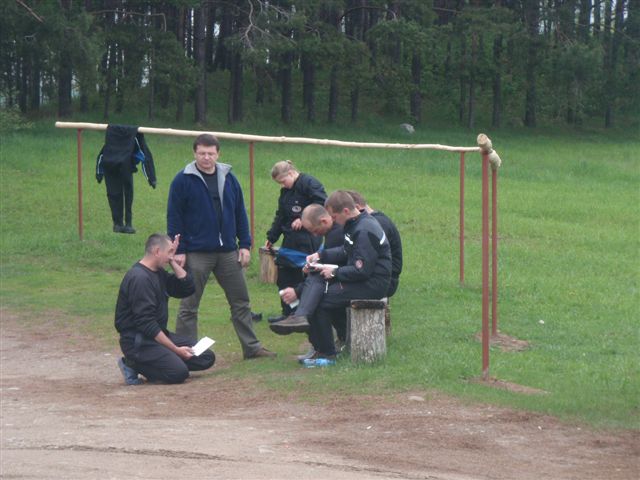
[(66, 414)]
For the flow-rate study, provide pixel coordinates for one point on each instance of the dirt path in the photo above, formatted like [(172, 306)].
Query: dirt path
[(66, 414)]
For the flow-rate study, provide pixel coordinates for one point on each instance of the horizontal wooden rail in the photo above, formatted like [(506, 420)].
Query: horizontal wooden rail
[(267, 139)]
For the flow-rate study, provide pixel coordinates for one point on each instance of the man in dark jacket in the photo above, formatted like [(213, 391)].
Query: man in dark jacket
[(360, 268), (142, 314), (393, 235), (206, 207)]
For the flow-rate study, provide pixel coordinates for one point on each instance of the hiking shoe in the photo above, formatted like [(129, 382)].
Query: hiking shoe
[(262, 353), (319, 362), (129, 374), (279, 318), (309, 354), (293, 323)]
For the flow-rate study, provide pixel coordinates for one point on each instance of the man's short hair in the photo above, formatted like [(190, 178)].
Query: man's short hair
[(313, 213), (206, 140), (339, 200), (357, 197), (156, 240)]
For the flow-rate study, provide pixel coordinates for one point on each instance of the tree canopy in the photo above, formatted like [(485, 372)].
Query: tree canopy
[(511, 62)]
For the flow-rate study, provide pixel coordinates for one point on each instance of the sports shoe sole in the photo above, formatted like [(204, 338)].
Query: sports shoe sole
[(288, 329)]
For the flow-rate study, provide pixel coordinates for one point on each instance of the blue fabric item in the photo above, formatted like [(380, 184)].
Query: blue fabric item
[(292, 256)]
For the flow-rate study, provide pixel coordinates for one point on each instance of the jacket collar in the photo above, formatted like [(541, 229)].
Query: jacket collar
[(221, 168)]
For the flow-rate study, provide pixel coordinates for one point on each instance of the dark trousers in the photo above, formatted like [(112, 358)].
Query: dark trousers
[(159, 364), (332, 313), (119, 182), (288, 277)]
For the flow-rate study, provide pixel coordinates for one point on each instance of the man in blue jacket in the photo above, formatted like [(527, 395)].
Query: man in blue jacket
[(206, 207)]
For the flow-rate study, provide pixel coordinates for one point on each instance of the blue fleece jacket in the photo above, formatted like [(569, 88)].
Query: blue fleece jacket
[(190, 212)]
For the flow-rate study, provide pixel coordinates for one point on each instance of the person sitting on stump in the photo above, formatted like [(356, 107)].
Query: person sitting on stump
[(359, 269), (142, 314)]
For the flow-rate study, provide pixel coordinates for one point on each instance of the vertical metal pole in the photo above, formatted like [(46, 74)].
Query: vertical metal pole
[(494, 251), (461, 218), (485, 266), (251, 194), (80, 215)]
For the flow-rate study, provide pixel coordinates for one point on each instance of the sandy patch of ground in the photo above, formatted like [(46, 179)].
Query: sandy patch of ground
[(66, 414)]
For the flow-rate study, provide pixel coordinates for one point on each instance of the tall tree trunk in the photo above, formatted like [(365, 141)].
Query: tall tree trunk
[(24, 81), (333, 95), (612, 80), (309, 87), (584, 20), (235, 111), (608, 63), (35, 86), (210, 39), (152, 84), (415, 101), (463, 80), (496, 116), (532, 22), (180, 94), (597, 17), (355, 100), (199, 52), (120, 75), (286, 88), (222, 60), (188, 31), (471, 118), (260, 74)]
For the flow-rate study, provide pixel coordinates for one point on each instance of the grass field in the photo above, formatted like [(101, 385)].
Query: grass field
[(569, 259)]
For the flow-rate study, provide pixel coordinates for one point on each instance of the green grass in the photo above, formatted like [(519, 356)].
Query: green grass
[(569, 228)]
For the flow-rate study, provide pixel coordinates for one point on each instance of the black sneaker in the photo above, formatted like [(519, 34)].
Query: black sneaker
[(256, 317), (129, 374), (118, 228), (128, 229)]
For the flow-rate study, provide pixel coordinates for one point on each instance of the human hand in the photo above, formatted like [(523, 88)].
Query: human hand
[(268, 245), (313, 258), (185, 353), (176, 242), (288, 295), (180, 259), (328, 272), (296, 224), (244, 257)]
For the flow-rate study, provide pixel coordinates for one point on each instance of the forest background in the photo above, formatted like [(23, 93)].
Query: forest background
[(495, 63)]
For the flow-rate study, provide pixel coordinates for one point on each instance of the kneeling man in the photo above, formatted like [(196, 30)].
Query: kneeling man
[(142, 313)]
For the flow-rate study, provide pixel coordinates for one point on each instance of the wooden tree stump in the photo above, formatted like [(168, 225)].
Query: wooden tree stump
[(366, 330), (268, 267)]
